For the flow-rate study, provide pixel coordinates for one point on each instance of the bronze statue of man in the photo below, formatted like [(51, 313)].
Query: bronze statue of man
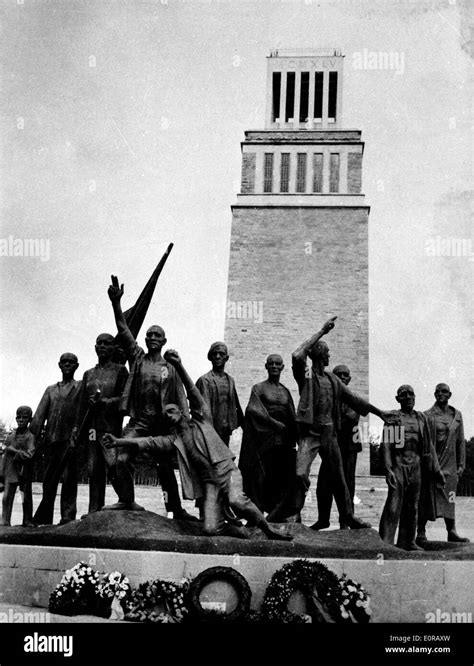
[(349, 445), (152, 384), (447, 433), (268, 451), (319, 416), (57, 408), (407, 454), (218, 390), (205, 462), (98, 413)]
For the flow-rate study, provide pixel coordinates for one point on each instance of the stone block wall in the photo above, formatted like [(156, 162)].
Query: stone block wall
[(290, 269)]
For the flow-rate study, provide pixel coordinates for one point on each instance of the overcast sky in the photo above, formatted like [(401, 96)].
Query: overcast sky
[(121, 126)]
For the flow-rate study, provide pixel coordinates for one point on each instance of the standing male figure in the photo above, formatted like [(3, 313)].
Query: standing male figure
[(151, 384), (206, 464), (268, 452), (319, 419), (447, 433), (218, 390), (57, 408), (16, 468), (98, 413), (407, 453), (349, 445)]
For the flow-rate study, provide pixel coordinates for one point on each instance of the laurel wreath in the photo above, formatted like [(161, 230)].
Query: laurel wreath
[(329, 599), (160, 601)]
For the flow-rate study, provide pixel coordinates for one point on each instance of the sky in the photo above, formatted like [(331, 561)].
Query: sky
[(120, 132)]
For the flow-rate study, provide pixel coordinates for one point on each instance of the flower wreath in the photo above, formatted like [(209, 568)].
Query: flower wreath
[(160, 601), (114, 588), (356, 600), (114, 585), (77, 592), (319, 585)]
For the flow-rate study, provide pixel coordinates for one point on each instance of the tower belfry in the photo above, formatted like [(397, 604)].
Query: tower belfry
[(299, 243), (304, 89)]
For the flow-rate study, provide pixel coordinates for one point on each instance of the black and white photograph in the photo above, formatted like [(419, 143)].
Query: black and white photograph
[(236, 269)]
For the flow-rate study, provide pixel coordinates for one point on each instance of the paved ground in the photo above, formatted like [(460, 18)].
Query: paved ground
[(370, 490)]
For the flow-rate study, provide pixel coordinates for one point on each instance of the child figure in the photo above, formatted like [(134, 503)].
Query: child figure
[(16, 467)]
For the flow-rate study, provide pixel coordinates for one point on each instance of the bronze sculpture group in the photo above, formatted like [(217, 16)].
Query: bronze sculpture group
[(174, 422)]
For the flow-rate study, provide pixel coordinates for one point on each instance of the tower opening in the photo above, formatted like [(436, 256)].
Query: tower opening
[(276, 88), (317, 172), (285, 172), (318, 96), (301, 173), (268, 173), (304, 97), (334, 173), (332, 97), (290, 96)]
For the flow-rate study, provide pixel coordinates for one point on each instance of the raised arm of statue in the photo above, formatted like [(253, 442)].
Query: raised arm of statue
[(303, 350), (115, 292), (196, 401)]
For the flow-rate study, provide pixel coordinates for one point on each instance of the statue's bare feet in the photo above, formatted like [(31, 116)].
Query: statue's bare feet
[(235, 531), (295, 518), (275, 535), (454, 537), (410, 546), (320, 525), (356, 523)]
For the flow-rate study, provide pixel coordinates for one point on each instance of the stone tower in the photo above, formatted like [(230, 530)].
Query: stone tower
[(299, 244)]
